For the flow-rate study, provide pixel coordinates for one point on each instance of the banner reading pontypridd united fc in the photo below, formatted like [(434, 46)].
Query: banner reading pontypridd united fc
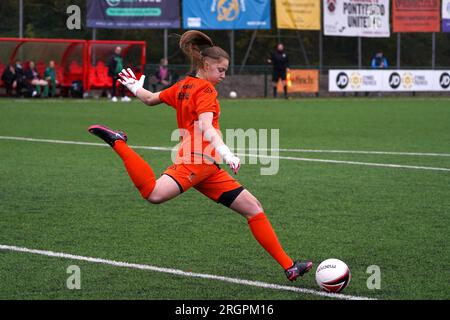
[(445, 15), (356, 18), (133, 14), (226, 14)]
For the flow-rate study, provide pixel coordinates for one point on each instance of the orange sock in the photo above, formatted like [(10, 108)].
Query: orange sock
[(263, 232), (139, 171)]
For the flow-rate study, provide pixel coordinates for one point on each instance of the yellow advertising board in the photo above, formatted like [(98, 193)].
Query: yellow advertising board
[(299, 15)]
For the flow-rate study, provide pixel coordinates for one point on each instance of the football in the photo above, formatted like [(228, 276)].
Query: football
[(233, 94), (333, 275)]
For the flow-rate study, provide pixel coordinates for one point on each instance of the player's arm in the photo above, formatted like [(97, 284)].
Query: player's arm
[(148, 97), (209, 132), (129, 80)]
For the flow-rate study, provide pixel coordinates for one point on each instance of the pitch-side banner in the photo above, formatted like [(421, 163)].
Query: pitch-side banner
[(356, 18), (415, 15), (301, 80), (299, 15), (226, 14), (388, 80), (446, 15), (133, 14)]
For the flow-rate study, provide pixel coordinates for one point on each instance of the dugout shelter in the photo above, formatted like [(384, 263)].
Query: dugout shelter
[(83, 61)]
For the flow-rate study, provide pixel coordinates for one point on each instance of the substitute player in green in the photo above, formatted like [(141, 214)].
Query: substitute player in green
[(50, 77), (115, 66)]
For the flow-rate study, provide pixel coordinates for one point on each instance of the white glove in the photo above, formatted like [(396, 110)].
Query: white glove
[(230, 159), (129, 80)]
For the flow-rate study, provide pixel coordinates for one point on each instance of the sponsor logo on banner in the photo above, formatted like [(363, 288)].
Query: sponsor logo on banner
[(113, 3), (227, 10), (301, 80), (410, 81), (342, 80), (370, 80), (407, 80), (362, 80), (193, 22), (331, 5), (395, 80), (355, 80), (420, 80), (444, 80), (388, 80)]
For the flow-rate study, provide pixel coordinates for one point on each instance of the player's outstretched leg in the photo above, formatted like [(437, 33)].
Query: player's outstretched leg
[(248, 206), (139, 171)]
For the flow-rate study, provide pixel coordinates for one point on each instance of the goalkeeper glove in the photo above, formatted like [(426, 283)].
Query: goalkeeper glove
[(230, 159), (129, 80)]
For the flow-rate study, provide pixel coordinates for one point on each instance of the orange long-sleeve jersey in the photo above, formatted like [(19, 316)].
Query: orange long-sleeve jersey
[(191, 97)]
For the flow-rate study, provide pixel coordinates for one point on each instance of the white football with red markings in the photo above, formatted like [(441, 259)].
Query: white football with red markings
[(333, 275)]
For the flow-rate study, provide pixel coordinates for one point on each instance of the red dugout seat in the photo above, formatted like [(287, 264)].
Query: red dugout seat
[(102, 73), (40, 67)]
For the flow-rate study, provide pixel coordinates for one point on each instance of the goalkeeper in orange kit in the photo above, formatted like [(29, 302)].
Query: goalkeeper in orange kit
[(197, 108)]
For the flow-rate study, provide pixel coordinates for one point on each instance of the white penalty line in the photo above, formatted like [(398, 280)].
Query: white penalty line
[(372, 164), (181, 273)]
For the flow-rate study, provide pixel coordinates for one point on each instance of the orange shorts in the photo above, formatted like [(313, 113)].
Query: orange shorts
[(209, 179)]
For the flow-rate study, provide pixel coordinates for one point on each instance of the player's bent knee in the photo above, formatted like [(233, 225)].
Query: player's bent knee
[(258, 205), (255, 208), (247, 205), (254, 202)]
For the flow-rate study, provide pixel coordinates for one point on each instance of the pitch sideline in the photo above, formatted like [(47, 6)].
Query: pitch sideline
[(181, 273)]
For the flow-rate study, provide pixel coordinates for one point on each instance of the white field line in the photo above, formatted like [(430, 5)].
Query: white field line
[(182, 273), (421, 154), (371, 164), (79, 143), (386, 165)]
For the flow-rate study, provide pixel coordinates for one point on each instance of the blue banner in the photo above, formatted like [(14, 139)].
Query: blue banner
[(445, 15), (226, 14), (133, 14)]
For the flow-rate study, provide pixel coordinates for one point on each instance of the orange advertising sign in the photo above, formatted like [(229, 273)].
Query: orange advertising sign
[(300, 80), (416, 15)]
